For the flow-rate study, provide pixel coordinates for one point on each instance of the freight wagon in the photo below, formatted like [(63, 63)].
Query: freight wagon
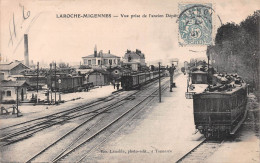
[(220, 112), (66, 83)]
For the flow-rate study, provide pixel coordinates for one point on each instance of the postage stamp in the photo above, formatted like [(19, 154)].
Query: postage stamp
[(195, 24)]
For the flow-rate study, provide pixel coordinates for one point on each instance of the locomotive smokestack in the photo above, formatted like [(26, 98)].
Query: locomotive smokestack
[(26, 55)]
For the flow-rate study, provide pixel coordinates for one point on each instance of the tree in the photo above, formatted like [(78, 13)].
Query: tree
[(237, 49)]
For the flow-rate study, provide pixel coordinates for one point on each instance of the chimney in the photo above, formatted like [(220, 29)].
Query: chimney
[(138, 51), (108, 51), (95, 51), (26, 55)]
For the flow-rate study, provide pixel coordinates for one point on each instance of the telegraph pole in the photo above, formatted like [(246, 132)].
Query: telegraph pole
[(160, 100), (55, 81), (171, 77), (59, 81), (17, 99), (37, 81), (51, 80)]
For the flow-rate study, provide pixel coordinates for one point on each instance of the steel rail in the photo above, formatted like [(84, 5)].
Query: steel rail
[(102, 129), (65, 135), (82, 158), (69, 110), (205, 141)]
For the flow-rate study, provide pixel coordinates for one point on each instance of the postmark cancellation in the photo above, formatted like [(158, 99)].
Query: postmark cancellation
[(195, 24)]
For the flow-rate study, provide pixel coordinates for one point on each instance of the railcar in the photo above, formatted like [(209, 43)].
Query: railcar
[(133, 81), (220, 112), (67, 83)]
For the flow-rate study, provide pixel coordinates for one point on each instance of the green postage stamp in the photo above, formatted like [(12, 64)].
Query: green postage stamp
[(195, 24)]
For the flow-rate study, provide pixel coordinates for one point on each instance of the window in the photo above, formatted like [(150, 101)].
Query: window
[(99, 62), (93, 61), (105, 61), (85, 61), (129, 59), (199, 78), (8, 93), (89, 62), (110, 61)]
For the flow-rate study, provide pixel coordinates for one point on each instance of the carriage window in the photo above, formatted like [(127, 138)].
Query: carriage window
[(8, 93), (199, 78)]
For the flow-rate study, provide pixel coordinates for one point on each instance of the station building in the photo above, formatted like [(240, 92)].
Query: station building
[(100, 59), (10, 90), (134, 59)]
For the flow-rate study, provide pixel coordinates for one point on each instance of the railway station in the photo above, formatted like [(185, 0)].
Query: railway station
[(133, 87)]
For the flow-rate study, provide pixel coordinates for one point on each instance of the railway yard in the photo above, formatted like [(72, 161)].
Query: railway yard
[(127, 126)]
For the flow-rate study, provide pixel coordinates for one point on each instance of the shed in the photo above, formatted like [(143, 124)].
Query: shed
[(99, 77), (10, 90)]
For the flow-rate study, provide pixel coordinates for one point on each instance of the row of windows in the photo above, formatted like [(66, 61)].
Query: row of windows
[(8, 93), (106, 61)]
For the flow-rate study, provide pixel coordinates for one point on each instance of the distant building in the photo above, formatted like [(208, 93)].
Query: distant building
[(101, 59), (98, 77), (135, 59), (9, 90), (32, 80), (13, 68)]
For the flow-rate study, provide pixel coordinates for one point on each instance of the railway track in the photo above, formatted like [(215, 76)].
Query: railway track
[(24, 130), (202, 151), (85, 134), (18, 132)]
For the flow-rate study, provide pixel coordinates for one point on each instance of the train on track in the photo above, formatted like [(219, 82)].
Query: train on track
[(221, 108), (136, 80)]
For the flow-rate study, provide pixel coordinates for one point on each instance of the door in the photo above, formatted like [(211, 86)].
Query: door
[(22, 95)]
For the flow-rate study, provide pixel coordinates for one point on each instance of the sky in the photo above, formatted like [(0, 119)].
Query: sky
[(69, 39)]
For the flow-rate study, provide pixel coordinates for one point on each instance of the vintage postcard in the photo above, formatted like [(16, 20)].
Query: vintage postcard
[(129, 81)]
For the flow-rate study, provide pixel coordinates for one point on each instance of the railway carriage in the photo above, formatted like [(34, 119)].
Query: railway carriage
[(141, 78), (220, 112), (133, 81), (147, 76)]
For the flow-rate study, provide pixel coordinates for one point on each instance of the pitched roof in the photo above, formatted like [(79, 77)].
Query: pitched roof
[(102, 71), (11, 65), (18, 83), (103, 55), (134, 55)]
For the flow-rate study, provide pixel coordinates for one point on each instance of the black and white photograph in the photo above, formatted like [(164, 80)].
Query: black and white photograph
[(129, 81)]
